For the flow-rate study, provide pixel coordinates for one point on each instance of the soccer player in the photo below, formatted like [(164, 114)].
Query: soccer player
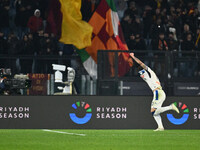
[(158, 94)]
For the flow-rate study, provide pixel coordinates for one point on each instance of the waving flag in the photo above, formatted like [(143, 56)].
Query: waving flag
[(65, 21), (107, 35)]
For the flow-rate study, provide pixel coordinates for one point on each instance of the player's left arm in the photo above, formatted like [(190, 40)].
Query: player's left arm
[(139, 61)]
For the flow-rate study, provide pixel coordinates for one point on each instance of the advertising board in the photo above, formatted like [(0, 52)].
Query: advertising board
[(94, 112)]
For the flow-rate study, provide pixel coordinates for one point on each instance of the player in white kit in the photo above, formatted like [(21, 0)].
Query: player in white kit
[(158, 94)]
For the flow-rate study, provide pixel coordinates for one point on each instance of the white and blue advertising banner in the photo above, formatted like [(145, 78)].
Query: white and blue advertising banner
[(94, 112)]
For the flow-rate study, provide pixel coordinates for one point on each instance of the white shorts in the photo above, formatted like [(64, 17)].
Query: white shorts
[(158, 98)]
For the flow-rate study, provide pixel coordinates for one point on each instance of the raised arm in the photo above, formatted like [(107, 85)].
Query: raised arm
[(138, 61)]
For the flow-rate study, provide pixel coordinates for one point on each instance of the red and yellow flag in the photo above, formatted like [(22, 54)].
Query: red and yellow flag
[(64, 20), (107, 35)]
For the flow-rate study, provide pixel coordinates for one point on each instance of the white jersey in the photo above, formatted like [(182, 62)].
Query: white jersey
[(150, 78)]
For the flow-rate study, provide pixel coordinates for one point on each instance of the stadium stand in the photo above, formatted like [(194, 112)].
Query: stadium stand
[(151, 25)]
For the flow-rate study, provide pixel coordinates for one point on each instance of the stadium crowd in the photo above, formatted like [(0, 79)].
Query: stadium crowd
[(165, 25)]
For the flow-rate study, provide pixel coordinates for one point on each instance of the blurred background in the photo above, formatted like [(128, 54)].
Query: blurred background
[(163, 33)]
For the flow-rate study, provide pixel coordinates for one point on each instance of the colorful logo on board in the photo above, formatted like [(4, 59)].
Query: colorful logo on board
[(183, 109), (82, 113)]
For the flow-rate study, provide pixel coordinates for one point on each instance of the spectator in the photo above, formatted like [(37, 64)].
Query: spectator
[(27, 48), (128, 29), (178, 23), (30, 37), (35, 22), (88, 7), (3, 49), (157, 28), (3, 44), (198, 6), (171, 29), (197, 37), (54, 41), (4, 16), (121, 7), (147, 20), (132, 9), (193, 18), (139, 44), (157, 14), (42, 5), (12, 13), (138, 25), (188, 46), (160, 44), (49, 49), (32, 42), (13, 49), (186, 31), (171, 42), (24, 9), (143, 18), (13, 44), (39, 42), (136, 28), (173, 46)]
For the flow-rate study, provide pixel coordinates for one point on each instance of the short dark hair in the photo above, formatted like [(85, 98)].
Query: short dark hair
[(139, 68)]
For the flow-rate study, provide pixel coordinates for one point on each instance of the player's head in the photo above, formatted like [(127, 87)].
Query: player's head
[(138, 68), (141, 73), (144, 74)]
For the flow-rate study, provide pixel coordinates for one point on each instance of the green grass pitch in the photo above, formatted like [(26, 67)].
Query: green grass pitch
[(99, 140)]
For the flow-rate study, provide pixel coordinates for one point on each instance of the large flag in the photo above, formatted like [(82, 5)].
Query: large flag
[(65, 21), (107, 35)]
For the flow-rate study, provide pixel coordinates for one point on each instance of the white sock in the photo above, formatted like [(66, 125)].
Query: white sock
[(162, 109), (158, 120)]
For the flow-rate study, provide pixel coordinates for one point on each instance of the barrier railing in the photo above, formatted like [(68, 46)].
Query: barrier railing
[(172, 68), (179, 72)]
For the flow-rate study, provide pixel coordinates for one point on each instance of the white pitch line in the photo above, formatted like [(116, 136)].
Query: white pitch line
[(64, 132)]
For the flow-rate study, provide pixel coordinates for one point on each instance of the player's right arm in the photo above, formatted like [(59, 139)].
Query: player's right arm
[(138, 61)]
